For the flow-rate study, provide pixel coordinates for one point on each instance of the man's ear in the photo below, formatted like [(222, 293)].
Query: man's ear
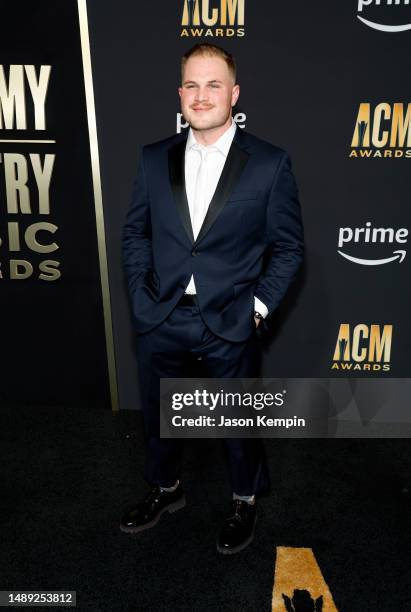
[(180, 89), (235, 94)]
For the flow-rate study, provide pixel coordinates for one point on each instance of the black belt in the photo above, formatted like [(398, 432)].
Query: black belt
[(188, 300)]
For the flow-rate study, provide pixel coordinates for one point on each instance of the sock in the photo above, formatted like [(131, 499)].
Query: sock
[(170, 489), (250, 499)]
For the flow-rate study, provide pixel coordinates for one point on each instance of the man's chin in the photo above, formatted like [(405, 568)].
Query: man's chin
[(202, 126), (199, 125)]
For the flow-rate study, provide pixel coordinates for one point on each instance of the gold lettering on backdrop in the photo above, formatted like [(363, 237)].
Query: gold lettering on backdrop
[(298, 578), (12, 99), (382, 126), (379, 136), (380, 345), (232, 8), (186, 16), (359, 353), (201, 13), (43, 178), (207, 20), (401, 126), (49, 268), (15, 273), (343, 340), (13, 96), (38, 90), (16, 177), (27, 176), (14, 236), (365, 343), (30, 237), (363, 119)]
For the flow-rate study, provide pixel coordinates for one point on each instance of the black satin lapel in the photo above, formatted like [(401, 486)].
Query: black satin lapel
[(233, 167), (177, 180)]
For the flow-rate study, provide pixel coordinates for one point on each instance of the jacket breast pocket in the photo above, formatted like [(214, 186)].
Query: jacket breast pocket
[(243, 197), (252, 214)]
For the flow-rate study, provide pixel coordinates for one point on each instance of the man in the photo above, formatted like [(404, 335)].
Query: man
[(212, 240)]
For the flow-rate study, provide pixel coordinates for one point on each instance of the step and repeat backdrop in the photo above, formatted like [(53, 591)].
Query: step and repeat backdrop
[(326, 81)]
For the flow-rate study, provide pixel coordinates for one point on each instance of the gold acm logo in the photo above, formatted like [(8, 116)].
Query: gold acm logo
[(382, 130), (363, 347), (27, 246), (218, 18)]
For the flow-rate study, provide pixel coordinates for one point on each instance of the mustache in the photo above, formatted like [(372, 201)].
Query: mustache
[(195, 106)]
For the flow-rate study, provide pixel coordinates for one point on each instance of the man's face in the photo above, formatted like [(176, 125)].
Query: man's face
[(207, 93)]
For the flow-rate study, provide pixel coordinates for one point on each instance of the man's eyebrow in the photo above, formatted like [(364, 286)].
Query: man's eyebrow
[(195, 83)]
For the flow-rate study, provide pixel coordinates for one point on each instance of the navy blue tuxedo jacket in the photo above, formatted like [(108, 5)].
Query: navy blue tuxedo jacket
[(250, 244)]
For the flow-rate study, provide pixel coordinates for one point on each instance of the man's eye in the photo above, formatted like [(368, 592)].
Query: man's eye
[(215, 85)]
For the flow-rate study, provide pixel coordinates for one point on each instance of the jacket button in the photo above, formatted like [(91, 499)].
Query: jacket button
[(194, 252)]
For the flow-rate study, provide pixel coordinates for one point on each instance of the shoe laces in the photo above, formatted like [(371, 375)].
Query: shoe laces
[(153, 495), (236, 506)]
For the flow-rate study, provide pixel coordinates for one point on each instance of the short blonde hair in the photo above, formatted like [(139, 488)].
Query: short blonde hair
[(208, 50)]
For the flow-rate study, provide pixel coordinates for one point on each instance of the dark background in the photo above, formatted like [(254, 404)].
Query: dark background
[(53, 331), (69, 473), (303, 68)]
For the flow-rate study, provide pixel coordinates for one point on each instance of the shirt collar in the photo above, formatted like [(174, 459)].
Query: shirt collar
[(223, 144)]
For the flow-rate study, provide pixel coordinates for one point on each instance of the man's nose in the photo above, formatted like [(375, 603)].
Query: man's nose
[(202, 94)]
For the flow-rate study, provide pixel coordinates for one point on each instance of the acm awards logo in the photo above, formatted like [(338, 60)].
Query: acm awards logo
[(363, 347), (27, 236), (382, 130), (223, 18), (372, 246), (399, 11)]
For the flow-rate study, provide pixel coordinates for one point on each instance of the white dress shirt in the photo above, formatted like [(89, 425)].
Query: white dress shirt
[(215, 156)]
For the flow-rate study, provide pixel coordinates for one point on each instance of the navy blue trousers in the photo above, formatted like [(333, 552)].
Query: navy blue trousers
[(166, 352)]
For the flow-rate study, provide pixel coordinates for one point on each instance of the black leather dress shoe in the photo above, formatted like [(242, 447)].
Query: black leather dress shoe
[(148, 512), (238, 528)]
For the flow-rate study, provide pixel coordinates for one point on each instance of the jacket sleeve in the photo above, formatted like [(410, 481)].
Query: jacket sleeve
[(136, 238), (285, 237)]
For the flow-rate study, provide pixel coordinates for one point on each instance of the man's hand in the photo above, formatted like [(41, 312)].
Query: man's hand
[(257, 316)]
